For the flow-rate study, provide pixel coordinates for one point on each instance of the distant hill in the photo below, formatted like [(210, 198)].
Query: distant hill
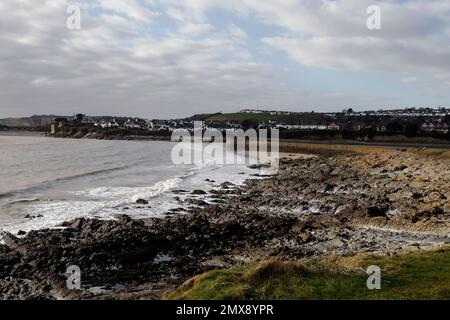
[(202, 117), (241, 116), (29, 122)]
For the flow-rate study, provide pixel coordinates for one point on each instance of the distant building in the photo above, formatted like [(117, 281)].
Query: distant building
[(78, 118), (58, 124)]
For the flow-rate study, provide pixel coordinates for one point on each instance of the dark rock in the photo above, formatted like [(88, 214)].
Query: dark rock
[(10, 240), (259, 166), (376, 211), (196, 202), (198, 192), (179, 191), (417, 195), (141, 201), (123, 219), (75, 224), (226, 185), (437, 211)]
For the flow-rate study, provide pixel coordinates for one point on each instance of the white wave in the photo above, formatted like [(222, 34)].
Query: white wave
[(104, 203), (121, 194)]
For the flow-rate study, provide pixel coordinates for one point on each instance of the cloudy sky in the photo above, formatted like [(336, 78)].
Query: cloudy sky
[(172, 58)]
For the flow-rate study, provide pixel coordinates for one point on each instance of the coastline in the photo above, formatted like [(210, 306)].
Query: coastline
[(343, 204), (394, 142)]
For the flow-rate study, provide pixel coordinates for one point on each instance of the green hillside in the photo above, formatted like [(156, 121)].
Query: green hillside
[(239, 116)]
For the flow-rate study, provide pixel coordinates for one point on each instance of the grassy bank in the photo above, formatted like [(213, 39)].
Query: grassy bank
[(328, 148), (440, 153), (420, 275), (333, 148)]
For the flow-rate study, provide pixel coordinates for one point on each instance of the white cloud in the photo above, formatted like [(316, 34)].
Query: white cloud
[(414, 40), (112, 65), (237, 33), (196, 28), (131, 8)]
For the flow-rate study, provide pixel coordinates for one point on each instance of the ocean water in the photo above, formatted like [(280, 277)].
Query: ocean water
[(46, 181)]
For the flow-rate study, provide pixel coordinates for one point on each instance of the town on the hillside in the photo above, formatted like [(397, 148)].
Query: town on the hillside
[(347, 124), (411, 120)]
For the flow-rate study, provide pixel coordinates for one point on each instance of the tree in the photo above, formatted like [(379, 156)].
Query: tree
[(394, 126), (249, 124), (79, 117), (412, 128), (368, 133)]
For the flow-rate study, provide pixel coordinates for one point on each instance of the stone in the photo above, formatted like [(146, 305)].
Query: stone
[(198, 192)]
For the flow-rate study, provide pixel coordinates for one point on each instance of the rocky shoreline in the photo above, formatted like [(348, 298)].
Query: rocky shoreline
[(344, 204)]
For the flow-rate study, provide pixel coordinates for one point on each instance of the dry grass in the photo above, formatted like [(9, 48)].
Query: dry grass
[(329, 149), (439, 153)]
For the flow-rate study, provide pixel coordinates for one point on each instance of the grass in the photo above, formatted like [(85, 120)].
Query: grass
[(440, 153), (328, 148), (420, 275)]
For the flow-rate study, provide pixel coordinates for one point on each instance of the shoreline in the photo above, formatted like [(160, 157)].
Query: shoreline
[(342, 204), (394, 143)]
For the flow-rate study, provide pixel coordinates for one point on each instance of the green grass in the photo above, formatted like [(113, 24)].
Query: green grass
[(424, 275), (245, 116)]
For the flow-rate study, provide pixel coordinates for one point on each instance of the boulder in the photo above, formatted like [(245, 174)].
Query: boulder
[(196, 202), (377, 211), (198, 192)]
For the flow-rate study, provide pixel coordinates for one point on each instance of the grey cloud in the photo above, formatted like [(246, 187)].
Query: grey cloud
[(116, 65)]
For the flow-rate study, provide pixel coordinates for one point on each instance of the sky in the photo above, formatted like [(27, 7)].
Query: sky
[(176, 58)]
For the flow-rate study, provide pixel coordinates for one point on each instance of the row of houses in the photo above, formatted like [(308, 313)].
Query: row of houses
[(326, 122), (272, 112), (331, 126), (142, 124), (401, 113), (135, 123), (408, 112), (435, 127)]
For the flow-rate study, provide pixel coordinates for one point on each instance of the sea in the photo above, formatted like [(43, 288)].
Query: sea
[(46, 181)]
